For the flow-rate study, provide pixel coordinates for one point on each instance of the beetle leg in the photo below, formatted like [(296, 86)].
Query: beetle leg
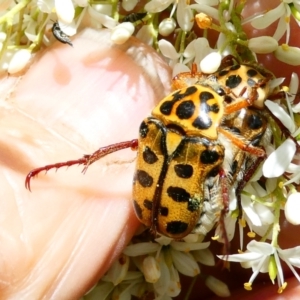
[(86, 160), (240, 143)]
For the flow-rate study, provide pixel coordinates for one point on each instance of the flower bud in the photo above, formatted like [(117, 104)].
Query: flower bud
[(118, 269), (122, 32), (19, 61), (2, 36), (65, 10), (263, 44), (151, 269), (129, 5), (166, 26), (292, 208), (278, 161), (217, 286), (210, 63), (203, 20), (287, 54)]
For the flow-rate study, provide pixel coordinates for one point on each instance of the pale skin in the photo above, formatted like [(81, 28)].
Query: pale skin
[(58, 240)]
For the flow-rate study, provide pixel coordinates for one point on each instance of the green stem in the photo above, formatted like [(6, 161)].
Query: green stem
[(191, 286), (19, 28), (12, 12), (114, 11)]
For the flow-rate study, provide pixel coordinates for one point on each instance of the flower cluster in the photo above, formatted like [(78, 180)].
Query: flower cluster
[(172, 27)]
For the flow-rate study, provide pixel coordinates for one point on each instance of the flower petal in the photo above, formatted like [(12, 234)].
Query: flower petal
[(168, 50), (260, 247), (292, 208), (276, 164), (210, 63), (287, 54), (185, 263), (281, 114), (268, 18), (65, 10)]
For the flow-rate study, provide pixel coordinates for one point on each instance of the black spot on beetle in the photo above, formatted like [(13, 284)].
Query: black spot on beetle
[(148, 204), (144, 129), (214, 108), (185, 109), (208, 157), (234, 166), (254, 122), (184, 170), (166, 108), (223, 73), (144, 178), (137, 209), (252, 73), (178, 194), (149, 156), (235, 67), (163, 211), (176, 227), (233, 81), (202, 123), (214, 172), (205, 96)]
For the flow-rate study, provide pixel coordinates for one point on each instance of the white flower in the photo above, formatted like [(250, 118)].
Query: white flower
[(281, 12), (287, 54), (206, 7), (166, 26), (263, 44), (185, 17), (262, 258), (211, 63), (277, 163), (102, 16), (155, 6), (118, 270), (65, 10), (129, 5), (217, 286), (19, 61), (146, 34), (122, 32), (292, 208)]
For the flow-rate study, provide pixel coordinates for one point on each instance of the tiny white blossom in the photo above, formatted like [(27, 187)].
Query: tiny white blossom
[(217, 286), (155, 6), (102, 18), (281, 114), (118, 270), (151, 269), (129, 5), (146, 34), (282, 13), (166, 26), (122, 32), (45, 6), (292, 208), (65, 10), (287, 54), (277, 163), (211, 63), (19, 61), (185, 17), (206, 8), (30, 30), (262, 44), (168, 50)]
